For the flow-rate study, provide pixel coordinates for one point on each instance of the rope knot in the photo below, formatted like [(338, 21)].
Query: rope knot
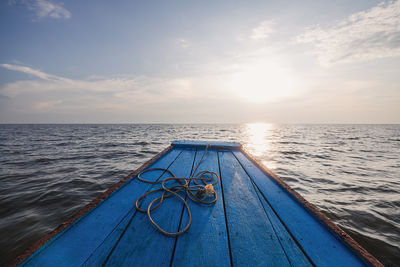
[(209, 190), (198, 192)]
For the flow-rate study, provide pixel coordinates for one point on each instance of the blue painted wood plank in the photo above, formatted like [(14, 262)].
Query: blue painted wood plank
[(206, 241), (100, 254), (295, 255), (252, 237), (322, 246), (142, 244), (213, 144), (75, 244)]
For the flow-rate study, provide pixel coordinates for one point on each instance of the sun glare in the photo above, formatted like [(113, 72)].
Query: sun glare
[(258, 137), (259, 141), (262, 81)]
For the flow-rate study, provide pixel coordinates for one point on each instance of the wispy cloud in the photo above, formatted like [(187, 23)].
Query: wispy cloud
[(370, 34), (116, 98), (29, 70), (119, 89), (46, 8), (47, 106), (263, 30)]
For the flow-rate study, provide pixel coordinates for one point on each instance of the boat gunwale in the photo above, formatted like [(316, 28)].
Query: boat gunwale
[(341, 234), (80, 213)]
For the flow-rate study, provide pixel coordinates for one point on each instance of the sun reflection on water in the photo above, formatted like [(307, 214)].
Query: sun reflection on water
[(259, 140)]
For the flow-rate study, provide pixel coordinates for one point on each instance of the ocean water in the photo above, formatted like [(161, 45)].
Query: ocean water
[(349, 172)]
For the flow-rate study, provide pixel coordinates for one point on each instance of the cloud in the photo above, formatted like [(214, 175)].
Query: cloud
[(117, 90), (263, 30), (48, 9), (114, 98), (29, 71), (47, 106), (45, 8), (365, 35)]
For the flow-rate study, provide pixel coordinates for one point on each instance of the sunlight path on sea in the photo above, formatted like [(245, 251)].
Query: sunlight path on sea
[(259, 141)]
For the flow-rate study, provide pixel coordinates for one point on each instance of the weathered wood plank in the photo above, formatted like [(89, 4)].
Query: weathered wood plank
[(318, 242), (252, 238), (100, 254), (142, 244), (74, 245), (295, 255), (206, 241)]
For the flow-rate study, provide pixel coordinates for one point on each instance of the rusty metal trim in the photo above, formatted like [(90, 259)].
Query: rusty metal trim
[(347, 239), (38, 244)]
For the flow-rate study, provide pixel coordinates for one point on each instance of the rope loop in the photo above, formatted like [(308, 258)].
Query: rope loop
[(201, 191)]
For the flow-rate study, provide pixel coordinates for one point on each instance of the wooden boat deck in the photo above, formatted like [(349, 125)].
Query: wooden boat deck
[(256, 221)]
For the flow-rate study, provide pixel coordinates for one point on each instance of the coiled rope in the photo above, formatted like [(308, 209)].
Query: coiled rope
[(202, 191)]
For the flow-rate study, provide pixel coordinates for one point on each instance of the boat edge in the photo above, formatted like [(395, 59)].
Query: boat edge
[(346, 238), (38, 244)]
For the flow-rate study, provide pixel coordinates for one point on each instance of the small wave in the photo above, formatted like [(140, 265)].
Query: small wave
[(149, 152), (335, 150), (353, 189), (347, 172), (64, 144), (321, 156), (357, 157), (291, 153), (67, 170), (43, 160), (110, 145), (156, 143), (353, 138), (81, 156), (142, 143), (50, 195), (112, 155), (291, 143)]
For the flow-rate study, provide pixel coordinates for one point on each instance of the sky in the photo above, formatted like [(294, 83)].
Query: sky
[(199, 61)]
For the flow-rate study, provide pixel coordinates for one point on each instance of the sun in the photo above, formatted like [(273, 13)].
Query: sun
[(261, 81)]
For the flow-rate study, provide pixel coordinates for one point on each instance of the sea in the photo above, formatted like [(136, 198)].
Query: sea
[(349, 172)]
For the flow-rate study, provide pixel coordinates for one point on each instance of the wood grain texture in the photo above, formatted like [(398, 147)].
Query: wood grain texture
[(294, 253), (322, 246), (73, 246), (142, 244), (100, 254), (206, 241), (342, 235), (48, 238), (252, 238)]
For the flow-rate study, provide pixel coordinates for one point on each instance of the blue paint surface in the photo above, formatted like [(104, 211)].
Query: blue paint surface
[(206, 242), (254, 222)]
